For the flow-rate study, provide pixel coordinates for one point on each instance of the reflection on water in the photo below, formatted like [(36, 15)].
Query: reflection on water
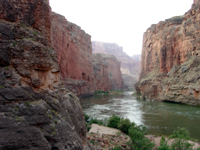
[(158, 117)]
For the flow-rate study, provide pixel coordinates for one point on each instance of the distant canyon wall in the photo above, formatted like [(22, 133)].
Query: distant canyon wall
[(130, 66), (107, 72), (170, 69), (36, 109)]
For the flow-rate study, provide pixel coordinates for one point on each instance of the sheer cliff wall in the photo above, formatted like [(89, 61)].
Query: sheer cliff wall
[(170, 59)]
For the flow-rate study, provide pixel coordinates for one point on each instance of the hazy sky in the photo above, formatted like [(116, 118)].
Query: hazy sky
[(119, 21)]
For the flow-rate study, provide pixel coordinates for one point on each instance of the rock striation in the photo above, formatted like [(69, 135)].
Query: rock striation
[(129, 66), (36, 110), (107, 72), (74, 51), (170, 68)]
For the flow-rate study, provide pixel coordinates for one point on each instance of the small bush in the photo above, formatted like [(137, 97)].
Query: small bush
[(16, 109), (116, 148), (113, 121), (181, 144), (92, 141), (86, 117), (138, 140), (94, 120), (88, 126), (163, 144), (124, 125), (181, 133), (101, 92)]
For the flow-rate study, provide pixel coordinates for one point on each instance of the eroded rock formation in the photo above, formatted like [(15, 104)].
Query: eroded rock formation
[(36, 110), (170, 59), (74, 51), (129, 66), (107, 72)]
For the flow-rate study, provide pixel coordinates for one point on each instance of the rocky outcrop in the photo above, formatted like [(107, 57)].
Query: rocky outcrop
[(36, 110), (74, 51), (107, 72), (170, 59), (129, 65)]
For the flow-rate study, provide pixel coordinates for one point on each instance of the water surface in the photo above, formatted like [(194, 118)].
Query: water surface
[(160, 118)]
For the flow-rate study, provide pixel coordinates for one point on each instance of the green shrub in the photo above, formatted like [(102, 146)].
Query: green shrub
[(16, 109), (138, 140), (181, 144), (101, 92), (95, 120), (92, 141), (124, 125), (114, 121), (163, 144), (88, 126), (86, 117), (116, 148), (181, 133)]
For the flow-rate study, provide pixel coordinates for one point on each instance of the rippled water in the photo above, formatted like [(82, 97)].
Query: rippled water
[(158, 117)]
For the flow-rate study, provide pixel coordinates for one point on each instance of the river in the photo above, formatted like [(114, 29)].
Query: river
[(160, 118)]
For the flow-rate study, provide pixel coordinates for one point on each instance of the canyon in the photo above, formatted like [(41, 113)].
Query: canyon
[(130, 66), (170, 69), (81, 71), (45, 63)]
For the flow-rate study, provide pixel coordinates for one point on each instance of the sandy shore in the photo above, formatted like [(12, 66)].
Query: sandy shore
[(102, 130)]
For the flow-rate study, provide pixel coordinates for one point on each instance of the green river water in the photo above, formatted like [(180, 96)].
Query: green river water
[(160, 118)]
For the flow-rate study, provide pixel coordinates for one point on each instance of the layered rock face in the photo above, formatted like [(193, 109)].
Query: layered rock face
[(36, 111), (170, 59), (107, 72), (74, 51), (100, 70), (129, 66)]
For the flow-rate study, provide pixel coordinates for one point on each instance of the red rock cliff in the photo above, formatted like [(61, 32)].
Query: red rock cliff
[(107, 72), (100, 70), (170, 59), (74, 51), (129, 67), (36, 110)]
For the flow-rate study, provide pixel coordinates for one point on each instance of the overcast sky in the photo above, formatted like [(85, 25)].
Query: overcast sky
[(119, 21)]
